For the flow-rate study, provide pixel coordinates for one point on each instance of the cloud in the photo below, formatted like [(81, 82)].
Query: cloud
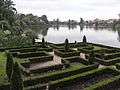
[(70, 8)]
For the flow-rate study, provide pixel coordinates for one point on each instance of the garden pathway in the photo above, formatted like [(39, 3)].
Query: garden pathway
[(56, 60)]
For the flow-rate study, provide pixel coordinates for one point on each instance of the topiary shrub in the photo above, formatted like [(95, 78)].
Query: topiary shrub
[(9, 64), (66, 45), (84, 39), (16, 79), (33, 40), (43, 42)]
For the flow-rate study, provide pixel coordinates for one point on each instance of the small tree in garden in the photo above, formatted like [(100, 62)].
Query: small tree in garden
[(9, 64), (16, 79), (43, 42), (66, 45), (33, 40), (84, 39)]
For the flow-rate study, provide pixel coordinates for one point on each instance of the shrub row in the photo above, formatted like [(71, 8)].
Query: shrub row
[(107, 62), (9, 48), (41, 59), (72, 45), (109, 84), (31, 54), (37, 87), (80, 77), (59, 75), (57, 46), (66, 54), (111, 56), (69, 60), (104, 46), (84, 50)]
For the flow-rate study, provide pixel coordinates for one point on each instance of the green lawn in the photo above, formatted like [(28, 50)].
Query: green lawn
[(3, 76)]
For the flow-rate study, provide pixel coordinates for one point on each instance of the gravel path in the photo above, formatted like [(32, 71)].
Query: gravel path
[(56, 60)]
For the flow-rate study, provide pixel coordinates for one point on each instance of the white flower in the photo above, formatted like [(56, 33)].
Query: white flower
[(7, 32)]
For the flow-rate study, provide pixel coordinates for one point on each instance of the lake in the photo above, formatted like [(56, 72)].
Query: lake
[(104, 36)]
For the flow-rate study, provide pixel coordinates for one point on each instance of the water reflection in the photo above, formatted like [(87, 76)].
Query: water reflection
[(58, 34)]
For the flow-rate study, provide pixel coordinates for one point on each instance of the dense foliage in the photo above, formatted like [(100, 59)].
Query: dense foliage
[(15, 29)]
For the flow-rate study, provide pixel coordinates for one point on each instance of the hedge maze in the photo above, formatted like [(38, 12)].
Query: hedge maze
[(67, 66)]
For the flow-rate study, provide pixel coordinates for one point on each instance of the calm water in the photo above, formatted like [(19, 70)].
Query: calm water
[(102, 36)]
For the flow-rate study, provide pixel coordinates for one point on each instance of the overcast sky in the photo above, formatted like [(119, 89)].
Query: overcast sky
[(74, 9)]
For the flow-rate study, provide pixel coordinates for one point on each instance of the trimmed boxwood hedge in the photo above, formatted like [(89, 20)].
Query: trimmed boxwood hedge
[(57, 46), (18, 47), (79, 77), (41, 59), (64, 54), (111, 56), (69, 60), (51, 77), (36, 87), (25, 50), (105, 46), (107, 62), (109, 84), (31, 54)]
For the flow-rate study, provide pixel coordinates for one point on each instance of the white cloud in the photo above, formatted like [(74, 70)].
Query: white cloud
[(65, 9)]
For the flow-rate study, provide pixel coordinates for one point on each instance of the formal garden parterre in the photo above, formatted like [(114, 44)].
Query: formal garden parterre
[(66, 66)]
